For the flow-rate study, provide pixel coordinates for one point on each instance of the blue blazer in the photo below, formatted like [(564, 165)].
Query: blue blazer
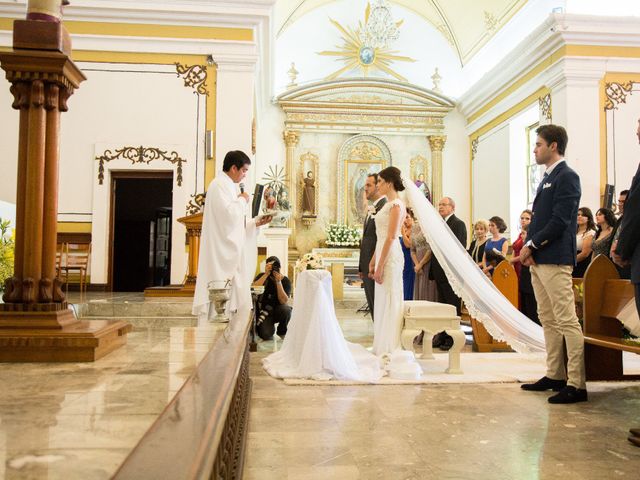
[(555, 213)]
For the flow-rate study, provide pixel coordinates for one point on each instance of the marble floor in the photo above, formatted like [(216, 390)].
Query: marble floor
[(80, 420), (479, 431)]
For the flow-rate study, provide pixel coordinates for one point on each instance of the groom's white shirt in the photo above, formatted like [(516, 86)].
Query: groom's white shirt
[(228, 246)]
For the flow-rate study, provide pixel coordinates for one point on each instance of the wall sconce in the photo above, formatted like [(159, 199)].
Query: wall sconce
[(208, 144)]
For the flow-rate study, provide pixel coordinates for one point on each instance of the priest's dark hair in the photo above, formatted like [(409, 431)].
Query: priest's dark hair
[(235, 158), (394, 176)]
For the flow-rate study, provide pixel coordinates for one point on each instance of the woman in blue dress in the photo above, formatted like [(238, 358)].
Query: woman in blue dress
[(408, 273), (495, 249)]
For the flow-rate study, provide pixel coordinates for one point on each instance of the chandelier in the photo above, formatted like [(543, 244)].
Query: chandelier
[(379, 29)]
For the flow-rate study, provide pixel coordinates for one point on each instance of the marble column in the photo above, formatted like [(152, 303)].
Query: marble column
[(291, 140), (436, 142)]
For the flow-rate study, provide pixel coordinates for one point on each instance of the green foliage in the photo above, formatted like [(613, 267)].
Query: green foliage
[(7, 244)]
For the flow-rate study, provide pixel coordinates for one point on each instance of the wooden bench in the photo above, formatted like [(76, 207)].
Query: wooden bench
[(506, 281), (605, 295)]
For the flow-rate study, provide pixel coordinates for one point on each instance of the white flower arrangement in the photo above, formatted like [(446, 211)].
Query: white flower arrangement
[(340, 235), (310, 261)]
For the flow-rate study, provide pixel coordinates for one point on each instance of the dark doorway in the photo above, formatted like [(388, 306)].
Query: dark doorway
[(140, 230)]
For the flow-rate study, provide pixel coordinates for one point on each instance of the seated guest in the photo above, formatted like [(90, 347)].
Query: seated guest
[(272, 304), (476, 249), (421, 254), (490, 259), (408, 273), (584, 241), (606, 221)]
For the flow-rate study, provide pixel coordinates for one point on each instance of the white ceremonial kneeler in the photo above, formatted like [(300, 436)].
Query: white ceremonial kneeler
[(431, 318)]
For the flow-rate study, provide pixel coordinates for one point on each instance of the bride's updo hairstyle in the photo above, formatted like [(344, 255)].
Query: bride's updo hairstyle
[(394, 176)]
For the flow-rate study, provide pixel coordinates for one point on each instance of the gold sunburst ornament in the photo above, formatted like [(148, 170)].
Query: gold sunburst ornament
[(366, 46)]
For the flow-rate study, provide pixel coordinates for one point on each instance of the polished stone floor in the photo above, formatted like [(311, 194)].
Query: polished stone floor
[(80, 421), (477, 431)]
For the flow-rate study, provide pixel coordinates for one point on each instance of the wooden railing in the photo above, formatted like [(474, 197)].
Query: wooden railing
[(201, 433)]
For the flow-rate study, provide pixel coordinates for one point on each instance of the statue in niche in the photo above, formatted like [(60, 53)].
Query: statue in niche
[(309, 195), (422, 185)]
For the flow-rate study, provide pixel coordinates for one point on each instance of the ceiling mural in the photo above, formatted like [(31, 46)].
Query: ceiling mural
[(467, 25)]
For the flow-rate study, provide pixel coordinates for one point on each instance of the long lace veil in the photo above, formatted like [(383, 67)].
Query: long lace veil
[(483, 300)]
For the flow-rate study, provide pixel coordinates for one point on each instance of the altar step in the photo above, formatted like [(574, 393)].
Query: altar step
[(140, 312), (139, 323)]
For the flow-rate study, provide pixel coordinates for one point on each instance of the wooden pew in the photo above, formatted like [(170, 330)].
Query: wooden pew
[(605, 295), (506, 280)]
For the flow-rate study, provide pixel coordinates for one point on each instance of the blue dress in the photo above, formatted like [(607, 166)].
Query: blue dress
[(408, 273), (492, 259)]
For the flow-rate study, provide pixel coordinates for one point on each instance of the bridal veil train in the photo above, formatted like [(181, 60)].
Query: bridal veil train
[(483, 300)]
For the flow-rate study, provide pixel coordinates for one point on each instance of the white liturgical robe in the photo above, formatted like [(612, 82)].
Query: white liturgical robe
[(228, 246)]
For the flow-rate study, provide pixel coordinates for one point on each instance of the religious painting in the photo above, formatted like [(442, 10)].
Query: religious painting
[(359, 156), (356, 176), (421, 175)]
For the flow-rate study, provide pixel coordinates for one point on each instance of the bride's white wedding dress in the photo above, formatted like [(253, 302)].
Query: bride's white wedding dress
[(389, 295), (315, 346)]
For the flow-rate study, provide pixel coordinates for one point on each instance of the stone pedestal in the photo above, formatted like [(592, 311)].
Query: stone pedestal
[(277, 243)]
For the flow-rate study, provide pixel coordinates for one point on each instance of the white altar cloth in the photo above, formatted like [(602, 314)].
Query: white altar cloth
[(315, 346)]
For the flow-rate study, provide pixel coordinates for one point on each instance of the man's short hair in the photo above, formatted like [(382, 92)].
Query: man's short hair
[(554, 133), (235, 158), (374, 175), (625, 193), (450, 201)]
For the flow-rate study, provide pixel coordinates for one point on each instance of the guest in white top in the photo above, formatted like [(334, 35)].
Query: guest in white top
[(584, 241)]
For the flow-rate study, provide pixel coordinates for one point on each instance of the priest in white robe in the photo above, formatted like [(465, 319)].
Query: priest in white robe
[(228, 242)]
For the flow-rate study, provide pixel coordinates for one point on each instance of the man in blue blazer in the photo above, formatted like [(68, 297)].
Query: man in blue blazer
[(551, 254), (627, 250)]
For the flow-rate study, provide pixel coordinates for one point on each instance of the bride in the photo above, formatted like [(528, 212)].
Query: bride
[(387, 264)]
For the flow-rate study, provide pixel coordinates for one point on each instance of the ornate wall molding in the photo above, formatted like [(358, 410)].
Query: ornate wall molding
[(474, 147), (194, 76), (616, 94), (544, 104), (140, 155), (365, 105), (196, 203)]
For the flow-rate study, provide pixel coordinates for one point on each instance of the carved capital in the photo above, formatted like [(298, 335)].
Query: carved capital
[(436, 142), (20, 92), (37, 93), (291, 138), (52, 96)]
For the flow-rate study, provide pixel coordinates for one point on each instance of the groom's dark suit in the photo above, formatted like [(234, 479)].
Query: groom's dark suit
[(367, 250), (445, 292)]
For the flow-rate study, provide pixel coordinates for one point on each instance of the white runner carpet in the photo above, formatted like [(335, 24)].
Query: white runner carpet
[(477, 368)]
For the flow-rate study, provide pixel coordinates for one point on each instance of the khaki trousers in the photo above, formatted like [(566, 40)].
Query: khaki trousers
[(553, 288)]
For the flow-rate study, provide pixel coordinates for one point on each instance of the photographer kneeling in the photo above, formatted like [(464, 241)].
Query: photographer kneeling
[(272, 304)]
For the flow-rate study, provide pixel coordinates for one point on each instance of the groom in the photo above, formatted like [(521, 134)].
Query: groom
[(369, 237)]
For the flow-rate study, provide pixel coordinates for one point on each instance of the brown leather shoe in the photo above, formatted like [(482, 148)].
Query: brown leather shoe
[(635, 431), (634, 440)]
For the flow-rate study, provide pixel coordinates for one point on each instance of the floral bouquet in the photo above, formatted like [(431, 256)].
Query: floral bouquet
[(310, 261), (339, 235)]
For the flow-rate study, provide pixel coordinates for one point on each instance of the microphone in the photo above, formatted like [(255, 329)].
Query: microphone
[(241, 187)]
